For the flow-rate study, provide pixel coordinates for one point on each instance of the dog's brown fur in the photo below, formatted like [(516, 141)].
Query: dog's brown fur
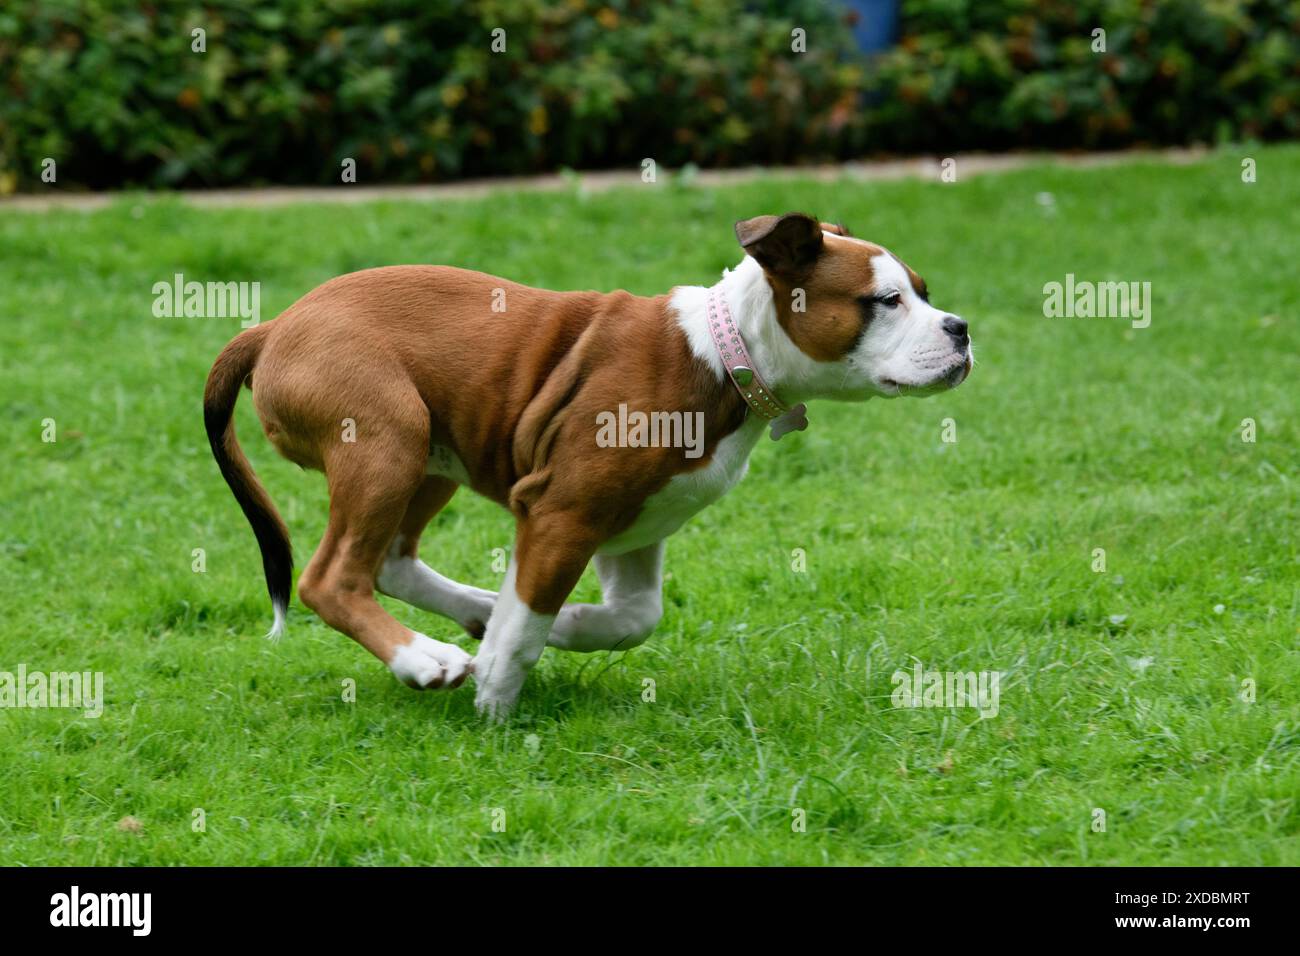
[(410, 355), (415, 356)]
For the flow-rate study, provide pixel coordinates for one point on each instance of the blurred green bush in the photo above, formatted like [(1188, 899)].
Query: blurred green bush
[(1000, 74), (410, 89)]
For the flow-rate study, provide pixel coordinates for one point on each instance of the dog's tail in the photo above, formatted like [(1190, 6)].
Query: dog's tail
[(231, 369)]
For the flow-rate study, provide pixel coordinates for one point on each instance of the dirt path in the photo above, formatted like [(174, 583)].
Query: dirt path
[(922, 168)]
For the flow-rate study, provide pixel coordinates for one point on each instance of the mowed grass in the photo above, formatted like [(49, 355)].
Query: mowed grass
[(1122, 691)]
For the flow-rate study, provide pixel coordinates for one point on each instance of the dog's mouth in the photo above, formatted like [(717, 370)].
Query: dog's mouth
[(961, 372), (949, 378)]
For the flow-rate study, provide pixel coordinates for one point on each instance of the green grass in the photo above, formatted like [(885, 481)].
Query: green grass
[(772, 687)]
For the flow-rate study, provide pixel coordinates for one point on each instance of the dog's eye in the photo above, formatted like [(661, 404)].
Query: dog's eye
[(891, 300)]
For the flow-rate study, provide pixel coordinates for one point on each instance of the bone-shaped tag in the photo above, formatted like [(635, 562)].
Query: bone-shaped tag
[(792, 420)]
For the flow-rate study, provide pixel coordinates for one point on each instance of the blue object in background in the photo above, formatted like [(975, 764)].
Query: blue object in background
[(877, 26)]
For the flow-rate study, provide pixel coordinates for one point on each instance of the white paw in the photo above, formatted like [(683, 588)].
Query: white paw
[(426, 664), (496, 707), (498, 689)]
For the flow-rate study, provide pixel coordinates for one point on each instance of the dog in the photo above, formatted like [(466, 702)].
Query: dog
[(404, 383)]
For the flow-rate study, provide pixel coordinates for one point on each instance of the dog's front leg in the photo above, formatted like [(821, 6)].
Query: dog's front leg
[(514, 640), (550, 554), (632, 587)]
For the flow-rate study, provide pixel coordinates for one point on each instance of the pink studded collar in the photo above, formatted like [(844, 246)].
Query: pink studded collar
[(740, 369)]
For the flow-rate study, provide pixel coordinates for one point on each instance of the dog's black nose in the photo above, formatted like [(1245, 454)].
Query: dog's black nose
[(956, 328)]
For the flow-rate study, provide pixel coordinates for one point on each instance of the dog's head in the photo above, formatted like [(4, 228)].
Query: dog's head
[(856, 310)]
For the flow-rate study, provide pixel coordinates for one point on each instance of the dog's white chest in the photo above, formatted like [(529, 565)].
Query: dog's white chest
[(669, 508)]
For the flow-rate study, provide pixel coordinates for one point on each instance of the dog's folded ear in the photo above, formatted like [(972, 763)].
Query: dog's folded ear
[(786, 246)]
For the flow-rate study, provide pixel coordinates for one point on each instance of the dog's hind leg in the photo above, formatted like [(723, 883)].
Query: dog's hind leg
[(371, 483), (407, 578), (632, 587)]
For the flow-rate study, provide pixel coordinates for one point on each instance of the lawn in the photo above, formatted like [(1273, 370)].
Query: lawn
[(1163, 692)]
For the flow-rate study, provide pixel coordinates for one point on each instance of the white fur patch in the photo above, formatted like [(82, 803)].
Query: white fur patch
[(691, 491), (905, 348), (278, 626), (413, 581), (632, 587), (787, 369), (516, 636), (428, 664)]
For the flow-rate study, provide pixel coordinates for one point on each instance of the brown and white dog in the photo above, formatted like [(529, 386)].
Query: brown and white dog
[(401, 384)]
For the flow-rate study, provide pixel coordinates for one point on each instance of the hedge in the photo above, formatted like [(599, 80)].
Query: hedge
[(411, 90), (998, 74)]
